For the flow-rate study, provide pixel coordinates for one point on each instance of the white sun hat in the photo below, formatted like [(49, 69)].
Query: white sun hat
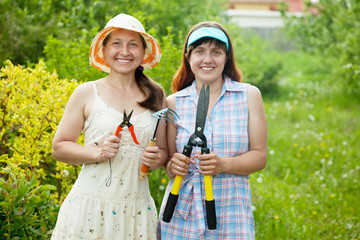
[(123, 21)]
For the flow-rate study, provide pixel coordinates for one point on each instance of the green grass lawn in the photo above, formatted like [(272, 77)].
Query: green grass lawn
[(310, 188)]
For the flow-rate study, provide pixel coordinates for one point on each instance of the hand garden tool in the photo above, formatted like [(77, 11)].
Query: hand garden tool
[(125, 122), (202, 108), (165, 113)]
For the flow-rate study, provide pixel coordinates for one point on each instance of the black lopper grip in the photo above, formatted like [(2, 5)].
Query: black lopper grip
[(170, 207), (210, 203), (187, 150), (210, 214), (205, 150)]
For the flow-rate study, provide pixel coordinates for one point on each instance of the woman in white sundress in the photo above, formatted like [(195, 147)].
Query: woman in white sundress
[(108, 200)]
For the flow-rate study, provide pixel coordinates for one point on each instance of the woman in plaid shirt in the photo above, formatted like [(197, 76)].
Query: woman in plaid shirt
[(236, 133)]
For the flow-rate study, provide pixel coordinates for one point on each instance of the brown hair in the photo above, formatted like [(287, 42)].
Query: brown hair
[(184, 76), (154, 94)]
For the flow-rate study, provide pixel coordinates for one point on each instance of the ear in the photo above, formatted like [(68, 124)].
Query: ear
[(187, 56), (103, 52)]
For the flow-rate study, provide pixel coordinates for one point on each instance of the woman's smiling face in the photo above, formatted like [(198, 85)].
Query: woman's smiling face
[(124, 51), (207, 62)]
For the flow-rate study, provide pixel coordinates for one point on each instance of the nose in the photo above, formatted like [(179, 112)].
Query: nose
[(124, 50), (207, 57)]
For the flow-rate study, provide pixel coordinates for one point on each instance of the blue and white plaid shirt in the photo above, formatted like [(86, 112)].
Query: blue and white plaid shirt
[(227, 135)]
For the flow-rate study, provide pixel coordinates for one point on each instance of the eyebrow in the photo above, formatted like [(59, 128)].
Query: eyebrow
[(216, 47), (133, 39)]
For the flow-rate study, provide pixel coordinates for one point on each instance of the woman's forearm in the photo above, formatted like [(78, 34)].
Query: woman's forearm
[(246, 163), (75, 154)]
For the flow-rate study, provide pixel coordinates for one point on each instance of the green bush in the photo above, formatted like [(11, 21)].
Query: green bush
[(27, 208), (170, 62), (71, 58), (31, 105)]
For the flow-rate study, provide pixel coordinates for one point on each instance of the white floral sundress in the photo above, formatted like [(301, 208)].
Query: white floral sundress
[(124, 209)]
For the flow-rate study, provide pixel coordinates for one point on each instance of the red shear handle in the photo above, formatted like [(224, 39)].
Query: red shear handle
[(131, 129), (118, 130), (144, 168)]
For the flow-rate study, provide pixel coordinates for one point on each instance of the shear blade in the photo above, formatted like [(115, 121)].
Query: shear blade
[(202, 108)]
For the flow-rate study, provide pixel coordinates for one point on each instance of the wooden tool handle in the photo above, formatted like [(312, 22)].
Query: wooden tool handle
[(144, 168)]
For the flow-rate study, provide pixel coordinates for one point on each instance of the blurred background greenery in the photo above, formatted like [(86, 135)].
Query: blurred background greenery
[(310, 187)]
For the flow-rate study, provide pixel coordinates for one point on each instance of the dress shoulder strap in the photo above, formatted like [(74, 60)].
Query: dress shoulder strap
[(92, 110), (95, 89)]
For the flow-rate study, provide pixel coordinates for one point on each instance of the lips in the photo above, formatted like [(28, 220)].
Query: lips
[(123, 61), (207, 68)]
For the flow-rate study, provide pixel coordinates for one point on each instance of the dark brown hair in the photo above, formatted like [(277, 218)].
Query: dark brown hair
[(154, 94), (184, 76)]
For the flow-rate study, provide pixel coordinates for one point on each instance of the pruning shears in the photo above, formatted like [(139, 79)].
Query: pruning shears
[(202, 109), (126, 122)]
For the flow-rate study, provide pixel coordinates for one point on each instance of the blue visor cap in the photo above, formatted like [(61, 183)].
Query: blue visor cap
[(208, 32)]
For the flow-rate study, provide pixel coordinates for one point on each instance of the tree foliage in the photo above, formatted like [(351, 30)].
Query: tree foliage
[(27, 24), (332, 28)]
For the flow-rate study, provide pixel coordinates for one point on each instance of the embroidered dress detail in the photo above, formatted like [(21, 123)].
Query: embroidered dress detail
[(227, 135), (124, 209)]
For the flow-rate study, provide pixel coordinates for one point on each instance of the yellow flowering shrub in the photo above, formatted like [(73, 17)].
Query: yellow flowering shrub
[(32, 101)]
